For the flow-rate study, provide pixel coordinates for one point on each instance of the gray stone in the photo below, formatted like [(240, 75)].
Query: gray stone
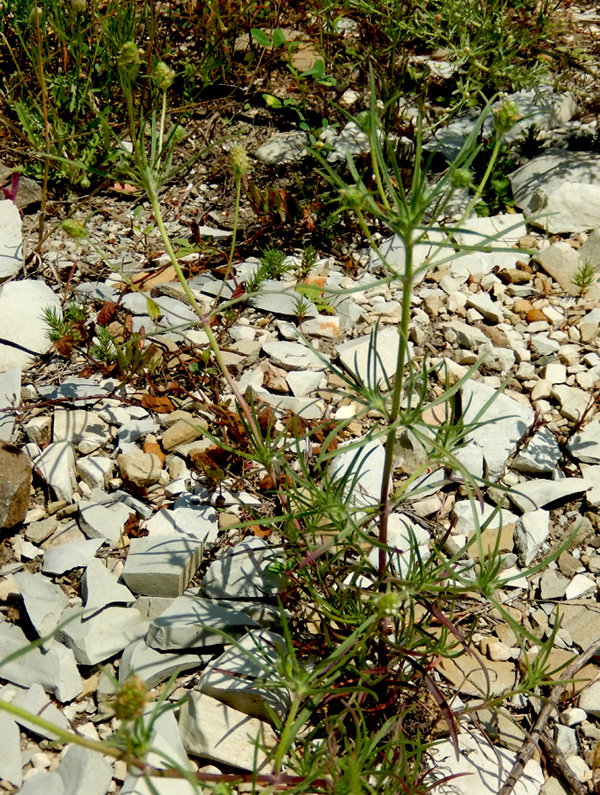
[(307, 407), (95, 470), (280, 300), (553, 584), (351, 141), (197, 521), (250, 570), (83, 770), (56, 466), (212, 730), (102, 635), (540, 455), (132, 430), (561, 262), (574, 402), (154, 667), (54, 669), (579, 585), (167, 750), (22, 305), (495, 231), (373, 358), (35, 700), (531, 530), (11, 240), (83, 391), (302, 384), (79, 426), (10, 395), (15, 485), (161, 565), (534, 494), (190, 622), (103, 521), (585, 445), (558, 190), (426, 253), (43, 784), (10, 750), (481, 768), (237, 677), (99, 587), (43, 600), (361, 469), (73, 555), (293, 356), (283, 147), (501, 423), (468, 336), (589, 700), (482, 302), (472, 515)]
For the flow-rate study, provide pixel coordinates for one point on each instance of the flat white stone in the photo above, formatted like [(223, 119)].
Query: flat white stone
[(11, 240), (470, 516), (505, 230), (531, 530), (486, 768), (22, 305), (161, 565), (293, 356), (303, 383), (501, 422), (236, 677), (35, 700), (308, 407), (558, 190), (56, 464), (84, 770), (361, 470), (252, 569), (154, 667), (103, 521), (540, 455), (78, 425), (426, 254), (95, 470), (573, 401), (54, 669), (190, 622), (585, 445), (373, 358), (212, 730), (10, 395), (73, 555), (579, 585), (482, 302), (197, 521), (99, 587), (95, 638), (534, 494), (43, 784), (283, 147), (43, 601), (280, 300), (10, 750), (468, 336)]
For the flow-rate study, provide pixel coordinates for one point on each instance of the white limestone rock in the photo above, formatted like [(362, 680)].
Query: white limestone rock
[(43, 601), (10, 750), (252, 569), (83, 770), (95, 638), (500, 421), (161, 565), (540, 455), (99, 587), (22, 305), (153, 666), (10, 395), (72, 555), (531, 530), (56, 465), (534, 494), (361, 470)]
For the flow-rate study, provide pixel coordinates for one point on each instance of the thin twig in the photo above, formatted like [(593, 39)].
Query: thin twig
[(560, 763), (531, 743)]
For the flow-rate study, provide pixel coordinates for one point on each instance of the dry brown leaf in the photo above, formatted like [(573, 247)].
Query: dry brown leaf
[(162, 405)]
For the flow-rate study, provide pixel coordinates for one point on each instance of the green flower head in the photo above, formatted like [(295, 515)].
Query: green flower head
[(130, 59), (239, 161), (74, 229), (163, 75)]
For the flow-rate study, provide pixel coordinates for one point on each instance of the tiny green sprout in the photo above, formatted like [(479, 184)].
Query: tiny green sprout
[(163, 76), (301, 308), (74, 229), (585, 276), (239, 161)]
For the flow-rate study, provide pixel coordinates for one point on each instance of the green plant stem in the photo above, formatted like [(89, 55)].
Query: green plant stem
[(482, 184), (236, 216), (163, 116), (44, 95)]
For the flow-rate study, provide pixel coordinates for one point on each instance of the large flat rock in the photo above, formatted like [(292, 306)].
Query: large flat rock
[(22, 307), (11, 240)]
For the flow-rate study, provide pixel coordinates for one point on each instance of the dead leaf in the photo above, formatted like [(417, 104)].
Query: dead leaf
[(261, 532), (107, 314), (155, 449), (162, 405), (132, 527), (64, 345)]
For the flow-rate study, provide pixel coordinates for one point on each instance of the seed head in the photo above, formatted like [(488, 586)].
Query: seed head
[(79, 6), (131, 699), (506, 117), (163, 76), (239, 161), (130, 59), (461, 178), (74, 229)]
